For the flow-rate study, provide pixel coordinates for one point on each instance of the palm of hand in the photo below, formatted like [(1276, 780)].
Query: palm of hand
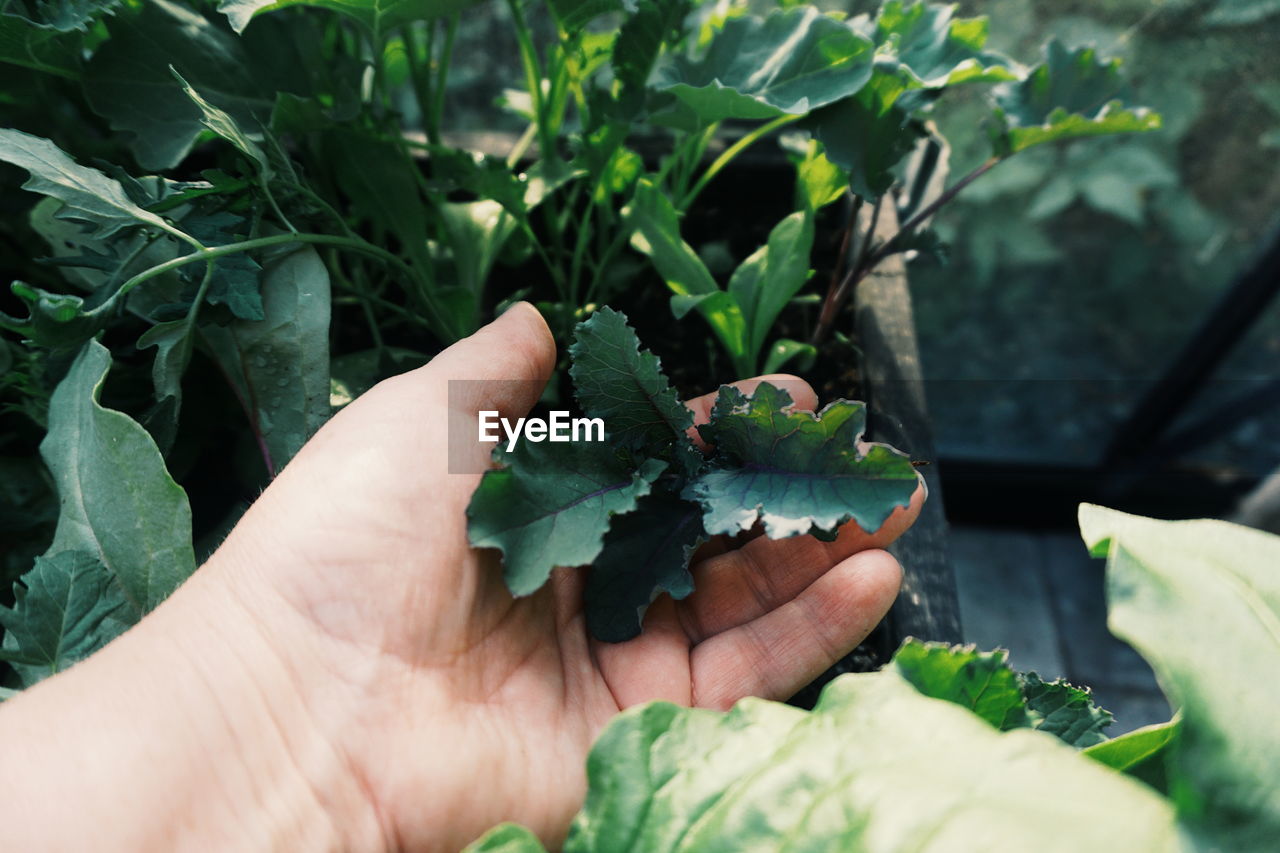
[(458, 707)]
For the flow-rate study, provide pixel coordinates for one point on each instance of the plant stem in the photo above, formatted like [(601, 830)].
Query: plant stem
[(857, 271), (442, 76), (522, 144), (868, 261), (532, 71), (731, 152), (355, 245), (929, 210)]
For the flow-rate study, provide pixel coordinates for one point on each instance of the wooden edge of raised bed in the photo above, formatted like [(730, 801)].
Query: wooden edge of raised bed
[(889, 362)]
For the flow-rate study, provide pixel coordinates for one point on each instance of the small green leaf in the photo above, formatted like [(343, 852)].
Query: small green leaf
[(646, 552), (221, 123), (1142, 753), (795, 471), (172, 341), (118, 501), (1200, 600), (379, 16), (506, 838), (657, 234), (551, 504), (66, 608), (819, 182), (786, 352), (1064, 711), (58, 321), (1071, 94), (793, 61), (614, 379), (764, 283), (237, 277), (280, 364), (979, 681), (88, 195)]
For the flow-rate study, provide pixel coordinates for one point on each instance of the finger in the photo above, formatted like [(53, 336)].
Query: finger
[(801, 394), (504, 366), (742, 585), (654, 665), (779, 653)]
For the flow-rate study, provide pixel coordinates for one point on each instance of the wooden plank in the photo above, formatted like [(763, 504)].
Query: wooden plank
[(884, 324), (1004, 597)]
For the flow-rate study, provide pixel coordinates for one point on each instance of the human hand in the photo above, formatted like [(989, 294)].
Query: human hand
[(377, 672)]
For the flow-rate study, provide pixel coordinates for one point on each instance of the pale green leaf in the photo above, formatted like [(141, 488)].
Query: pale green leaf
[(221, 123), (506, 838), (937, 49), (88, 195), (1200, 600), (118, 501), (875, 766)]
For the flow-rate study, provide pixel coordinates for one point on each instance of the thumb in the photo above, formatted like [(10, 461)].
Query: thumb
[(504, 366)]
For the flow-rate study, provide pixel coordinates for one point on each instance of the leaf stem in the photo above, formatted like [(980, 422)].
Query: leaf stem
[(929, 210), (355, 245), (868, 261), (727, 156)]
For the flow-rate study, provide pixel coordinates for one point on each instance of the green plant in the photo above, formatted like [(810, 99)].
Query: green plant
[(256, 210), (600, 503), (949, 749)]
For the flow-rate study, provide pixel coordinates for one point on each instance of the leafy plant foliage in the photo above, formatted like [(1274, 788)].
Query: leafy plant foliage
[(947, 748), (314, 218), (636, 506)]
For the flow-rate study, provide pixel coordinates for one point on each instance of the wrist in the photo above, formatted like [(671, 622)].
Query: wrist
[(189, 732)]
